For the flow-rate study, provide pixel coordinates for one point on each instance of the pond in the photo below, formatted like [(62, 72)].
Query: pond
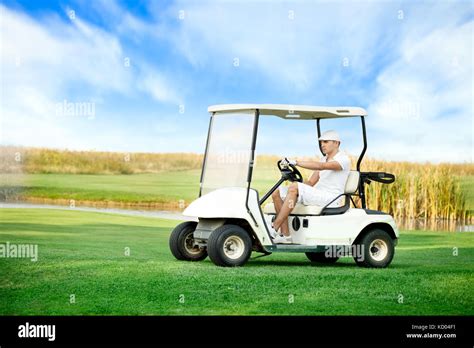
[(403, 224)]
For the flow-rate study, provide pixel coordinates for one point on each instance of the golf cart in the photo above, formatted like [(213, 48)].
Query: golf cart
[(230, 220)]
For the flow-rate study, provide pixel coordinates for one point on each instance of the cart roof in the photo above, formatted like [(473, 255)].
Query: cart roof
[(293, 111)]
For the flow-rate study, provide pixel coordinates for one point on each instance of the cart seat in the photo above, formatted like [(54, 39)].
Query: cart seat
[(352, 184)]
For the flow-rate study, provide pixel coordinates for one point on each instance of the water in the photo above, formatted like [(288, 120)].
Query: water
[(171, 215), (402, 224), (434, 225)]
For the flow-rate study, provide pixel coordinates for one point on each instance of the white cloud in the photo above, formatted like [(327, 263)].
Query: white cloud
[(122, 22), (47, 60), (414, 75), (299, 45), (158, 87), (424, 100), (52, 54), (420, 96)]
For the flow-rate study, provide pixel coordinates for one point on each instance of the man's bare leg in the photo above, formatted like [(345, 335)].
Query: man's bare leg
[(278, 204), (281, 219)]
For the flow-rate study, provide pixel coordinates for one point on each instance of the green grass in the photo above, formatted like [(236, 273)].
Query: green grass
[(148, 188), (82, 253), (163, 187)]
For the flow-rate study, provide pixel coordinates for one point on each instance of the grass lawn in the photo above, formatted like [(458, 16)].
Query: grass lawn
[(160, 187), (83, 253), (164, 187)]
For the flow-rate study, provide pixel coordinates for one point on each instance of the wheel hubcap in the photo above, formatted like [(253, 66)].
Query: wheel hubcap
[(378, 249), (189, 244), (234, 247)]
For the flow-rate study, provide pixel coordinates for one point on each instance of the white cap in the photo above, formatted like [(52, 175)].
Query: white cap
[(330, 135)]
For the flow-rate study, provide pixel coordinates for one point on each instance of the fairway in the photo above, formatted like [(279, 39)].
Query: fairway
[(84, 254), (163, 187), (145, 188)]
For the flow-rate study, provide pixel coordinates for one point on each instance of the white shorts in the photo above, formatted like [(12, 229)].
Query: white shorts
[(308, 195)]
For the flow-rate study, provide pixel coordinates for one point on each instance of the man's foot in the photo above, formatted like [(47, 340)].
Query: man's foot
[(282, 240), (273, 232)]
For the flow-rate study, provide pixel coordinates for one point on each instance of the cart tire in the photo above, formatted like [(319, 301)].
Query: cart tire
[(229, 246), (320, 257), (377, 248), (181, 243)]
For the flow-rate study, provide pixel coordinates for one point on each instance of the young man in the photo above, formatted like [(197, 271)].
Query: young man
[(327, 181)]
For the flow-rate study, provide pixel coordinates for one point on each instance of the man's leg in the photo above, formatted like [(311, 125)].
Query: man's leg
[(278, 202), (281, 219)]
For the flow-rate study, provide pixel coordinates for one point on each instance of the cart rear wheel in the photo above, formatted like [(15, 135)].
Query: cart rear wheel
[(377, 249), (182, 244), (229, 246)]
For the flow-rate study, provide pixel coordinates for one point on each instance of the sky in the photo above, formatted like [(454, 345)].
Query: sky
[(138, 76)]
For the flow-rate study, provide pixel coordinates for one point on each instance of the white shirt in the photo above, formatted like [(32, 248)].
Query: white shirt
[(331, 183)]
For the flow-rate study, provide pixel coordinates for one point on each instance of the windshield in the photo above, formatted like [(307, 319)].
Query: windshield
[(229, 151)]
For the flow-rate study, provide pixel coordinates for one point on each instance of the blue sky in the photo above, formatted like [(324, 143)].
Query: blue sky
[(149, 70)]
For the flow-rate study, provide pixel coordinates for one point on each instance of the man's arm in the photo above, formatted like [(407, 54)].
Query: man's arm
[(334, 165), (313, 179)]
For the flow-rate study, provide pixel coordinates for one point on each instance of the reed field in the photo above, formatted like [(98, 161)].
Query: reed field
[(48, 161), (421, 190)]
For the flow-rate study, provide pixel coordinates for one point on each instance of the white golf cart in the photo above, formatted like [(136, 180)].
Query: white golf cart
[(231, 223)]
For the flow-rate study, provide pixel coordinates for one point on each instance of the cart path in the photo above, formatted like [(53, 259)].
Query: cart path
[(170, 215)]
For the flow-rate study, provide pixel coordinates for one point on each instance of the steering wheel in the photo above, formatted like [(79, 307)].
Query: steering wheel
[(290, 172)]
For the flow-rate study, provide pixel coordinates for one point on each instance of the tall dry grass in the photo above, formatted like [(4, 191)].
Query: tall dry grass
[(421, 190), (47, 161)]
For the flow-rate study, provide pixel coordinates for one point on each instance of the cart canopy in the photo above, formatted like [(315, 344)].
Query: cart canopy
[(287, 111)]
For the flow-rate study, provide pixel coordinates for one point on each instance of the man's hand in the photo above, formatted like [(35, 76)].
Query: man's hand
[(290, 161)]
